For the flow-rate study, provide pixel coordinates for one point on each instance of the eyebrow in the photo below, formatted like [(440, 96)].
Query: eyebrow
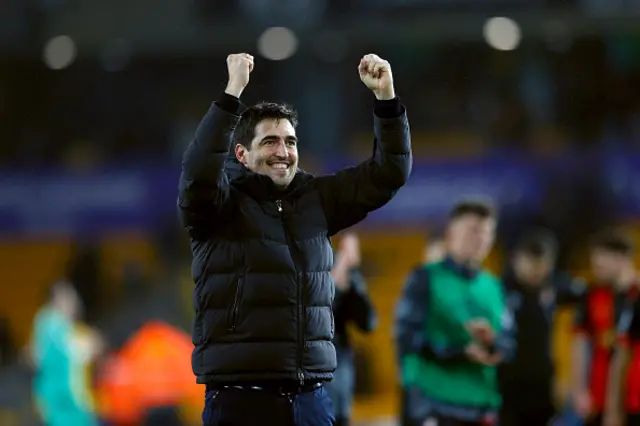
[(272, 138)]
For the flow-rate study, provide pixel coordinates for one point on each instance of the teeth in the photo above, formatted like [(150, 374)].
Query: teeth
[(279, 166)]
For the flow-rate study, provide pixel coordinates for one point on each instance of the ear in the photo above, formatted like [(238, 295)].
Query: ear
[(241, 154)]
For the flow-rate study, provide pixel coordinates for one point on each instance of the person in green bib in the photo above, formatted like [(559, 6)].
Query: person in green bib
[(60, 354), (453, 327)]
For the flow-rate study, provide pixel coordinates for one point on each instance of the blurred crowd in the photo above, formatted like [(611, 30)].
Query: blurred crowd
[(517, 350), (114, 361)]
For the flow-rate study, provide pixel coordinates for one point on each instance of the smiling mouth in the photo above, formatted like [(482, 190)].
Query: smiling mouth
[(280, 166)]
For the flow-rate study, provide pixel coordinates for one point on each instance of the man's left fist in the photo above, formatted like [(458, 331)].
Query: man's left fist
[(375, 73)]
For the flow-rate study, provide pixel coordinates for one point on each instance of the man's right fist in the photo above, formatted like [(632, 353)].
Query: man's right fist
[(239, 66)]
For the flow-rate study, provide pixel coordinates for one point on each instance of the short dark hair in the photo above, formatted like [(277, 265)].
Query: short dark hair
[(538, 243), (613, 240), (481, 208), (245, 130)]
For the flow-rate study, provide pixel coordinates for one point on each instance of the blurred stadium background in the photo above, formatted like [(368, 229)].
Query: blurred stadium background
[(534, 103)]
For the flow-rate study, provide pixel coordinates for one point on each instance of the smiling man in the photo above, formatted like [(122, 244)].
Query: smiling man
[(266, 142), (262, 258)]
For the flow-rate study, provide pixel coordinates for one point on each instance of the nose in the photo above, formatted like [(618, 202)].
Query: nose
[(282, 150)]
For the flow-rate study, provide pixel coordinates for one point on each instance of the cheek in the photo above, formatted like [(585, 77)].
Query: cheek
[(257, 160), (488, 241), (523, 271)]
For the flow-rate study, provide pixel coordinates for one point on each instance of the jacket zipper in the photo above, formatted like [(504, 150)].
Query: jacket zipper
[(333, 324), (300, 297), (236, 306)]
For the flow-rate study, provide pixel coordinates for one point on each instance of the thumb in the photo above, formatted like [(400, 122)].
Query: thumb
[(362, 67)]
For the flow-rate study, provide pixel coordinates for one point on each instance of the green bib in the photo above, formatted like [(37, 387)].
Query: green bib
[(453, 301)]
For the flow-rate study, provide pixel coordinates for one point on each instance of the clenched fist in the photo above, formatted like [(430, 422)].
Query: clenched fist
[(375, 73), (481, 331), (239, 66)]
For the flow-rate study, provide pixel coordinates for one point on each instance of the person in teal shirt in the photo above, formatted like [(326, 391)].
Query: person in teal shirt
[(60, 359), (454, 328)]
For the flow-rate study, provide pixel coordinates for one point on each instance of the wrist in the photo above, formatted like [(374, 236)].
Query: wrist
[(234, 89), (385, 95)]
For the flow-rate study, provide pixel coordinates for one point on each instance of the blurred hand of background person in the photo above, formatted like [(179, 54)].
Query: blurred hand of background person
[(90, 344), (347, 259), (480, 355), (581, 400), (481, 331)]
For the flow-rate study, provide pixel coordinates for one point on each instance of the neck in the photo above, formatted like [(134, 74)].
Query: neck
[(530, 283), (62, 312), (463, 260)]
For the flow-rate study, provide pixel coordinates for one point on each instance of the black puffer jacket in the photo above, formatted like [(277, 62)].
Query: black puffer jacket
[(262, 257)]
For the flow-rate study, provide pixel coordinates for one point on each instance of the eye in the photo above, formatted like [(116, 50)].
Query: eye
[(291, 143)]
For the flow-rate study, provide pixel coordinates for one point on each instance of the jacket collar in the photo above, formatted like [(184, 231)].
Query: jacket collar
[(464, 271), (511, 282), (261, 187)]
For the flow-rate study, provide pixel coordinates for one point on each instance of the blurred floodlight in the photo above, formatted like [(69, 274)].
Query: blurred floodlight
[(502, 33), (59, 52), (277, 43)]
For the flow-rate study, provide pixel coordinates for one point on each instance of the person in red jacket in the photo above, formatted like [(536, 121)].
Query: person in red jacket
[(597, 317), (623, 387)]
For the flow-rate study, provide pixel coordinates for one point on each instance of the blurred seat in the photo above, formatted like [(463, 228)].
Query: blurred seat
[(431, 145)]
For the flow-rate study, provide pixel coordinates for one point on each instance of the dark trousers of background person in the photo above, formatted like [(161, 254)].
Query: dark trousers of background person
[(232, 406), (448, 421), (405, 419), (595, 420), (633, 419), (342, 387), (419, 412), (527, 403), (162, 416)]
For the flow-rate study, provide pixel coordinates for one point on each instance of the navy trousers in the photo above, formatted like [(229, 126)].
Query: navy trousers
[(341, 388), (248, 407)]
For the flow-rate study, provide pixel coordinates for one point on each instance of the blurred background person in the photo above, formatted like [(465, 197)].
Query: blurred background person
[(83, 269), (454, 328), (434, 252), (61, 354), (7, 345), (533, 292), (622, 405), (598, 312), (351, 305)]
